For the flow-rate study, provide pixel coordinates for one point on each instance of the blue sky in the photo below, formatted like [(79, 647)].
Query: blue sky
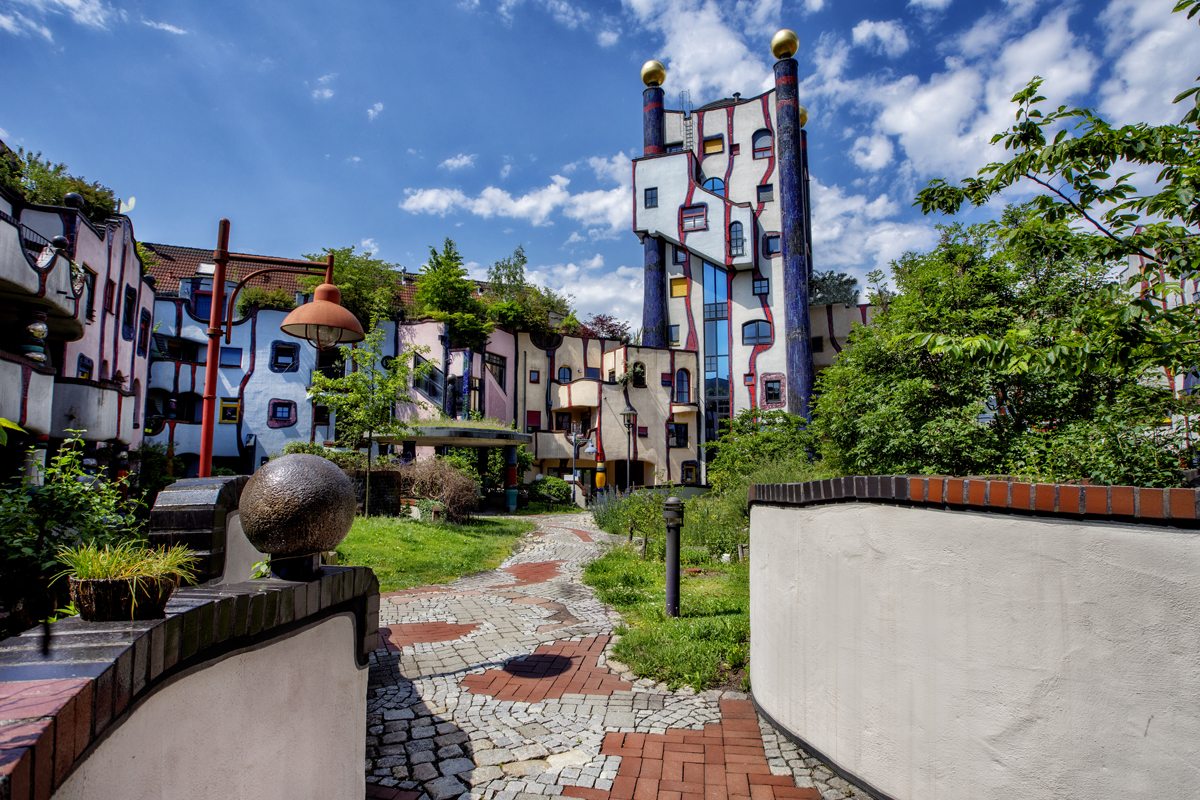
[(396, 123)]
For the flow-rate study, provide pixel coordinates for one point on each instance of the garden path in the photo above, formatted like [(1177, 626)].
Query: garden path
[(500, 685)]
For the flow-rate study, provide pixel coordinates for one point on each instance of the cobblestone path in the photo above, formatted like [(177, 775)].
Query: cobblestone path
[(500, 686)]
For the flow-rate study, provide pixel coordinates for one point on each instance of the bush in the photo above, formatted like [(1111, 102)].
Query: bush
[(551, 491), (441, 481), (348, 460), (255, 297)]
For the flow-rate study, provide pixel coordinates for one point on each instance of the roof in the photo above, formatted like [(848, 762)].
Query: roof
[(176, 263)]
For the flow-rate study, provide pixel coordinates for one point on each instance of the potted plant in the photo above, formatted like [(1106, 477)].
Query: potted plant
[(126, 580)]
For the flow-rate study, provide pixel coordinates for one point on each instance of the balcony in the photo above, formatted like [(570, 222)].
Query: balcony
[(33, 273), (582, 393), (27, 405), (89, 407)]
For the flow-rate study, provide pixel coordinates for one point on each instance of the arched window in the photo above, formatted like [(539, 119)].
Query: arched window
[(683, 386), (639, 375), (716, 186), (756, 332), (564, 374), (737, 241), (763, 143)]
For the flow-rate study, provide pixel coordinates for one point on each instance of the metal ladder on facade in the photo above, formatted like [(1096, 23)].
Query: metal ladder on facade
[(689, 122)]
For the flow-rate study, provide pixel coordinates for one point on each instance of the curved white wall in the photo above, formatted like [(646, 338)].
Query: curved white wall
[(957, 655), (282, 721)]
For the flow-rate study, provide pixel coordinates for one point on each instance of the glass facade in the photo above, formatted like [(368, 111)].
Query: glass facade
[(716, 349)]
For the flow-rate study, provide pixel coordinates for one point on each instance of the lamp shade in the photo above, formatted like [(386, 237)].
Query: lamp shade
[(324, 321)]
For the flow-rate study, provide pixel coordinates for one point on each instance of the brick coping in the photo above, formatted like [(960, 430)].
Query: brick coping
[(1176, 507), (53, 708)]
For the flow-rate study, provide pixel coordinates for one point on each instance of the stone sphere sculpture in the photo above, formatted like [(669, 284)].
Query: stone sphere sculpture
[(296, 505)]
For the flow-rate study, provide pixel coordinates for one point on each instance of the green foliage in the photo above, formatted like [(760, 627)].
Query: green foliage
[(516, 304), (253, 297), (831, 287), (550, 490), (754, 439), (370, 286), (348, 460), (466, 459), (128, 560), (7, 425), (405, 553), (147, 256), (40, 180), (445, 293), (707, 646)]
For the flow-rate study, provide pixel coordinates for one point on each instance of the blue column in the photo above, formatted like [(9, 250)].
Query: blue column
[(510, 478), (789, 145), (652, 121), (654, 299)]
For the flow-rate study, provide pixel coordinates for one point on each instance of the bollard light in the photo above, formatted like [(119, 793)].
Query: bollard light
[(673, 516)]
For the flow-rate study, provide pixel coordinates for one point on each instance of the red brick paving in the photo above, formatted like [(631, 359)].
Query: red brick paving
[(724, 760), (584, 536), (406, 633), (531, 572), (550, 672)]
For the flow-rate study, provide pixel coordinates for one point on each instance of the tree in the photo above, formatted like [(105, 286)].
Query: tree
[(364, 399), (893, 404), (39, 180), (832, 288), (370, 286), (605, 326), (516, 304), (253, 297), (445, 293)]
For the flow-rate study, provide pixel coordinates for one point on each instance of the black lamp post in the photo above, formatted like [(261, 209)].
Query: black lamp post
[(629, 414), (574, 438)]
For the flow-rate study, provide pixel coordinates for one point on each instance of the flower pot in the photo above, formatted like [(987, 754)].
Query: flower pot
[(121, 599)]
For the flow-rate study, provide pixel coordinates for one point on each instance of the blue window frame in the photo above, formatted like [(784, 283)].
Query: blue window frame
[(145, 322), (231, 357), (673, 334), (285, 356), (716, 186), (129, 314), (771, 244), (763, 143), (766, 192), (762, 286), (85, 368), (651, 197), (737, 240), (592, 373), (756, 332), (564, 374), (683, 386)]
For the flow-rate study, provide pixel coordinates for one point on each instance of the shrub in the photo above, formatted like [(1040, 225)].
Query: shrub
[(254, 297), (346, 459), (551, 491), (439, 480)]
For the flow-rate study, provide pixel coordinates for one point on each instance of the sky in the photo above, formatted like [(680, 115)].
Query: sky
[(393, 124)]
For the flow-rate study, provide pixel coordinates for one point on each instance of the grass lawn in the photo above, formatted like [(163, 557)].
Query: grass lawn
[(404, 552), (707, 646)]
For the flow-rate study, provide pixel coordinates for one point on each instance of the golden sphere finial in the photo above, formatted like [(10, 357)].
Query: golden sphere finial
[(785, 43), (803, 116), (653, 73)]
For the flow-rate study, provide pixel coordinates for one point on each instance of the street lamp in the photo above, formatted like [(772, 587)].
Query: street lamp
[(324, 322), (629, 414), (575, 438)]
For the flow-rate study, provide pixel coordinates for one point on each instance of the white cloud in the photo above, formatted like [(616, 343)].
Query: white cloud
[(883, 36), (18, 24), (872, 153), (1154, 58), (811, 6), (460, 161), (853, 231), (354, 159), (607, 38), (374, 111), (618, 292), (165, 27), (369, 245), (930, 5), (505, 169), (565, 13), (91, 13), (324, 88)]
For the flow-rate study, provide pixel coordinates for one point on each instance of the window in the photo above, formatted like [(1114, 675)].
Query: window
[(129, 317), (84, 367), (612, 376), (737, 242), (683, 386), (320, 416), (675, 147), (231, 410), (591, 373), (677, 434), (143, 342), (110, 296), (756, 332), (673, 334), (89, 288), (818, 344), (748, 379), (694, 218), (681, 255), (564, 374), (535, 376), (281, 414), (762, 287), (202, 305), (330, 363), (766, 192), (714, 144), (734, 149), (427, 379), (762, 142), (533, 421), (666, 379), (679, 287), (773, 391), (651, 197), (182, 350), (562, 421), (639, 375), (643, 432), (771, 245), (689, 473), (231, 357), (285, 356), (498, 366), (716, 186)]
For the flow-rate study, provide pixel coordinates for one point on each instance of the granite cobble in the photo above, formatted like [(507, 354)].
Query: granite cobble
[(501, 686)]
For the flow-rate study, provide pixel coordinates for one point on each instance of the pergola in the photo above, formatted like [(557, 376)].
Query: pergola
[(481, 439)]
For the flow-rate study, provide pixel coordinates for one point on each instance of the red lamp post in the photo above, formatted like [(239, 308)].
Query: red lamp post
[(324, 322)]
